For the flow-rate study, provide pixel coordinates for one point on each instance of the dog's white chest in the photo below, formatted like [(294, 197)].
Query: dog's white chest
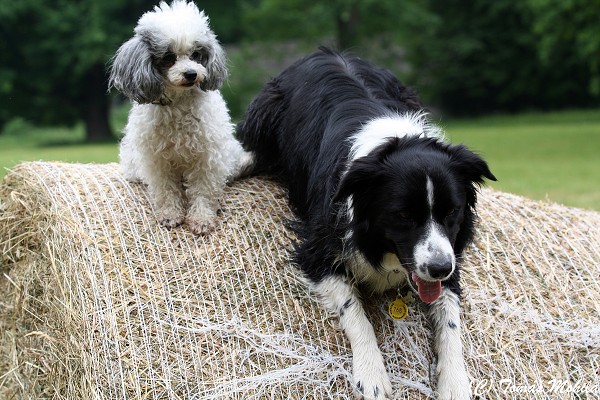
[(391, 275)]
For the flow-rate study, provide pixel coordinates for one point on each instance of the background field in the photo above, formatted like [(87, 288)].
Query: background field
[(553, 156)]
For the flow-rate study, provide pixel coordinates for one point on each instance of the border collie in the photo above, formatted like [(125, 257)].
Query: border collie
[(382, 200)]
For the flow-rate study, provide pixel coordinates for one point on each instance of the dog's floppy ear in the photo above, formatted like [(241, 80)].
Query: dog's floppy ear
[(471, 169), (362, 175), (469, 164), (216, 69), (133, 74)]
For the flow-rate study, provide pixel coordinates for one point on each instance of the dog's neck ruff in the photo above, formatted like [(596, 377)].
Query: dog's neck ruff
[(378, 130), (392, 274), (173, 96), (163, 101)]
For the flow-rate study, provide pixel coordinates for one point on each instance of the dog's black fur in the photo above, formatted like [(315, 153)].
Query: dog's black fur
[(301, 128)]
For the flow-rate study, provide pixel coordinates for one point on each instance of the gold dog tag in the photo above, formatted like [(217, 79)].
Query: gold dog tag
[(398, 309)]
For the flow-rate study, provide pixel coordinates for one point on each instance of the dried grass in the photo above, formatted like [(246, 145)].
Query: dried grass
[(99, 302)]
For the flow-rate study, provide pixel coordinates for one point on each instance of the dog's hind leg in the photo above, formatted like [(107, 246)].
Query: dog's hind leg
[(452, 378), (370, 376)]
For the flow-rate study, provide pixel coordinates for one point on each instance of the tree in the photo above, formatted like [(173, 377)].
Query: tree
[(569, 29), (348, 21), (484, 56), (53, 59)]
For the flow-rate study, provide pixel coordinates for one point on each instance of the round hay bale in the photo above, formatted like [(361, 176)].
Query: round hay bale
[(97, 301)]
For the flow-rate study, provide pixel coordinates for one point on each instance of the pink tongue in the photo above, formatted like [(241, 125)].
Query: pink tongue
[(428, 291)]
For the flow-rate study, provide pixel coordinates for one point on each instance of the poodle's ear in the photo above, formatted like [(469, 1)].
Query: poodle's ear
[(216, 69), (133, 74)]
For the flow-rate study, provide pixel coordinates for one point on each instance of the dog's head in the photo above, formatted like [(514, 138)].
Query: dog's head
[(415, 198), (173, 50)]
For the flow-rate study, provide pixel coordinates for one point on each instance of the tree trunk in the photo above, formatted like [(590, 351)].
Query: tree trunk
[(95, 111), (348, 20)]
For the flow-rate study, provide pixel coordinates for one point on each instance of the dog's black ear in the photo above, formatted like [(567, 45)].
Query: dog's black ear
[(363, 174), (216, 69), (469, 164), (133, 74)]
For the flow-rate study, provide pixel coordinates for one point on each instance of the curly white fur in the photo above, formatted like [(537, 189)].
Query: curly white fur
[(179, 136)]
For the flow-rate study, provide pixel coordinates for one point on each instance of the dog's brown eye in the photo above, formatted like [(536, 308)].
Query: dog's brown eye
[(168, 60), (404, 215), (452, 212)]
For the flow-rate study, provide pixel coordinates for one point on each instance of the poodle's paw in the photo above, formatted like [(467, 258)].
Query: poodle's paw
[(201, 219), (171, 218), (200, 227)]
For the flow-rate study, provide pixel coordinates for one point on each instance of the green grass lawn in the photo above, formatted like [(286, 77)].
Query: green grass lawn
[(52, 144), (554, 156)]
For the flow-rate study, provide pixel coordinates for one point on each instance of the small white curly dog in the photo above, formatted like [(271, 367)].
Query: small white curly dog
[(179, 136)]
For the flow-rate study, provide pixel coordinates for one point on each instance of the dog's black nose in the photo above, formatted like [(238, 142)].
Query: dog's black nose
[(440, 271), (190, 75)]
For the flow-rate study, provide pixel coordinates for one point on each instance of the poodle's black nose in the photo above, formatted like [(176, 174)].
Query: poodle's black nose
[(190, 75)]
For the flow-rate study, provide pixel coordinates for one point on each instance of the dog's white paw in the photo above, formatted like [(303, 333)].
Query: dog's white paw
[(200, 227), (453, 386), (370, 377), (201, 219), (171, 218)]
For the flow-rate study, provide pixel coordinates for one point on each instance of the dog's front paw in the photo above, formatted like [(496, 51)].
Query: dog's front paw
[(453, 386), (201, 219), (171, 218), (200, 227), (371, 378)]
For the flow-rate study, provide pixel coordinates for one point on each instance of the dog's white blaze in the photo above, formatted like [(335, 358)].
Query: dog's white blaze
[(453, 381), (378, 130), (434, 247), (350, 210), (430, 193), (367, 362)]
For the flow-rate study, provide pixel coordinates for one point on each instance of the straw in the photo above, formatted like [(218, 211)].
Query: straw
[(98, 301)]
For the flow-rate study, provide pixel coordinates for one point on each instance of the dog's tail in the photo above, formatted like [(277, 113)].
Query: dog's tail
[(244, 167)]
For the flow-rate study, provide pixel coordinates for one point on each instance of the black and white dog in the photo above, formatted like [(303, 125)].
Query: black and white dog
[(382, 199)]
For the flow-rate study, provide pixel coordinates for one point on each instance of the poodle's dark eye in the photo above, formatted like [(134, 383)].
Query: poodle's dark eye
[(168, 60), (200, 56)]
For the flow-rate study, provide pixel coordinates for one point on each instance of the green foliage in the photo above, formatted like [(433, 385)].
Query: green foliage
[(51, 52), (484, 56), (348, 21), (225, 17), (465, 56), (284, 20), (569, 28)]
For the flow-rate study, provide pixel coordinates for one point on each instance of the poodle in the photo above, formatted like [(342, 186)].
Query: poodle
[(179, 136)]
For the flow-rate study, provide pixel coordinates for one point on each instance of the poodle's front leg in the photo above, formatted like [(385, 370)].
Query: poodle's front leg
[(203, 192), (166, 191)]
